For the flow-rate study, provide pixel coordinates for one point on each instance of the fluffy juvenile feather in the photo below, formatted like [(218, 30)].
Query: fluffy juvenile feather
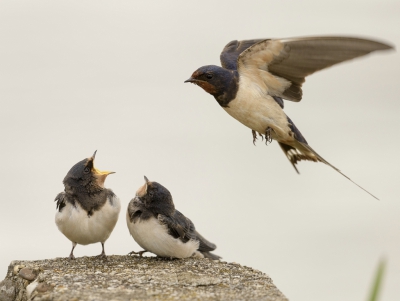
[(159, 228), (86, 211)]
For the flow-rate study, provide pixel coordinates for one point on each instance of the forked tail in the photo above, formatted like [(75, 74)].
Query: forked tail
[(304, 152)]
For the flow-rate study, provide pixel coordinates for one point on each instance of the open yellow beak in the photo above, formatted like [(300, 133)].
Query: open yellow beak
[(101, 176)]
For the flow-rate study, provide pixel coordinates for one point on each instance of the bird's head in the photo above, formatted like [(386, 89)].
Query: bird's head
[(212, 79), (154, 195), (83, 176)]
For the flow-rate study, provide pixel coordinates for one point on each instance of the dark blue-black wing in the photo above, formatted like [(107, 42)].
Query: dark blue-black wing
[(232, 50), (179, 226)]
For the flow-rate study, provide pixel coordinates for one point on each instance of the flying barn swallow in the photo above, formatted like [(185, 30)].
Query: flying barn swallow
[(159, 228), (256, 76), (86, 211)]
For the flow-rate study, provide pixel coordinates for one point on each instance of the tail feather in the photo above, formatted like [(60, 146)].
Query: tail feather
[(204, 244), (211, 255), (303, 151), (294, 155)]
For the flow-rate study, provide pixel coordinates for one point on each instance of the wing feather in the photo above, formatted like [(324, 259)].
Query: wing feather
[(281, 65), (61, 201), (182, 227), (232, 50)]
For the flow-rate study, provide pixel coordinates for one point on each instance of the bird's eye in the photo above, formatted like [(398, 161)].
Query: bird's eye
[(209, 75), (86, 170)]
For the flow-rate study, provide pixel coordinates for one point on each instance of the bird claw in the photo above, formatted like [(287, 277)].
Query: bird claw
[(140, 253), (253, 132), (268, 138)]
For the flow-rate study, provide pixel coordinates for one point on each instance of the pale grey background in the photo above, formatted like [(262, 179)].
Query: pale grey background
[(77, 76)]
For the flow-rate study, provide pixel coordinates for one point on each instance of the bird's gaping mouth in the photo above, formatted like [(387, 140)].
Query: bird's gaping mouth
[(100, 175)]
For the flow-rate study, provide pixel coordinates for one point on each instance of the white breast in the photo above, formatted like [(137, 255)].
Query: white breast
[(152, 236), (78, 227), (257, 110)]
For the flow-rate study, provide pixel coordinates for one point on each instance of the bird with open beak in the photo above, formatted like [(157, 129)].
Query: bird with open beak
[(86, 211), (159, 228), (256, 75)]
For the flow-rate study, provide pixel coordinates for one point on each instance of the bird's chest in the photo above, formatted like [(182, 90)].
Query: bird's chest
[(256, 110), (75, 223)]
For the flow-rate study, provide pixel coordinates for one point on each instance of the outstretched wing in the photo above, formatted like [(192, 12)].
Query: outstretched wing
[(179, 226), (280, 65)]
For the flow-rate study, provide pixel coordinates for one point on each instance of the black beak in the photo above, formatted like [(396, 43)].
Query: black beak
[(190, 80), (94, 155)]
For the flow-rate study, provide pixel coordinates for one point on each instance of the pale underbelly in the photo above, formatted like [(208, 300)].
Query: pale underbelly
[(153, 236), (259, 114), (78, 227)]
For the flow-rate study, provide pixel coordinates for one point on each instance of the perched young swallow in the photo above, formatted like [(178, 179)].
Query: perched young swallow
[(159, 228), (86, 211), (256, 76)]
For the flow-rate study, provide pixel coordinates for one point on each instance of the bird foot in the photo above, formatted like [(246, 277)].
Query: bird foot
[(102, 256), (268, 138), (71, 256), (140, 253), (254, 133)]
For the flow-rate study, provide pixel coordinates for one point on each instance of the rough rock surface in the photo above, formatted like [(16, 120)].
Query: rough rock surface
[(134, 278)]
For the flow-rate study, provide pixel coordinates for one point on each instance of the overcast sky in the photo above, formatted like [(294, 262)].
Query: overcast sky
[(80, 76)]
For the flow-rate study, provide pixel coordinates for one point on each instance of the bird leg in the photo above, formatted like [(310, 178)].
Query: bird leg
[(268, 138), (71, 256), (140, 253), (103, 254)]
